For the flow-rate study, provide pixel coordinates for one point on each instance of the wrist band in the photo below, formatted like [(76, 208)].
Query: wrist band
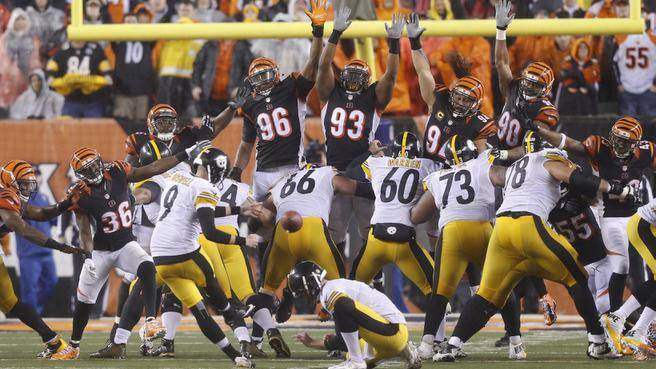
[(64, 205), (501, 34), (563, 139), (394, 45), (241, 241), (503, 154), (415, 43), (182, 156), (317, 31), (334, 37)]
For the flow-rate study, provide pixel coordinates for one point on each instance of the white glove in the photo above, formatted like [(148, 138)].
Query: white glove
[(503, 16), (91, 267), (195, 150)]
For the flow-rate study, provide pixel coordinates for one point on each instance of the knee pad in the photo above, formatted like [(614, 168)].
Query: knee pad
[(170, 303)]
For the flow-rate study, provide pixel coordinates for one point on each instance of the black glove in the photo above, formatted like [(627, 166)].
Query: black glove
[(242, 96)]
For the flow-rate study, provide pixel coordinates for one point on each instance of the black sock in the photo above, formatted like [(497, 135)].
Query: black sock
[(616, 286), (146, 274), (31, 318), (645, 291), (257, 334), (538, 284), (473, 317), (210, 329), (133, 307), (80, 320), (585, 306), (434, 313), (510, 313)]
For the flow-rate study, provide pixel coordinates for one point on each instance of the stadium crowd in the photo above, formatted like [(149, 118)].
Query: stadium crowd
[(42, 75)]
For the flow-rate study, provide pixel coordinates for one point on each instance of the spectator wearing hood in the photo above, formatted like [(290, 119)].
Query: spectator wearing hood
[(206, 12), (19, 54), (160, 10), (47, 23), (579, 81), (38, 101)]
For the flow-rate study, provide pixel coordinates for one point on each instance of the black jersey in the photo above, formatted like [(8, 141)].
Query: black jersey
[(627, 171), (442, 125), (349, 124), (182, 140), (133, 71), (277, 122), (108, 205), (517, 113)]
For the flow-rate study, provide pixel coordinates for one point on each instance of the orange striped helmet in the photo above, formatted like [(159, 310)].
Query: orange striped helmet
[(625, 135), (162, 122), (536, 82), (87, 165), (466, 96), (263, 75), (356, 76), (19, 175)]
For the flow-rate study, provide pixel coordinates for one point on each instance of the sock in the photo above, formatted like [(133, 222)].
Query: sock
[(435, 312), (257, 335), (515, 340), (227, 348), (627, 308), (586, 307), (31, 318), (242, 334), (616, 286), (644, 292), (170, 321), (264, 319), (473, 318), (80, 320), (456, 342), (122, 336), (596, 338), (112, 333), (510, 313), (132, 308), (146, 274), (352, 340), (441, 331), (428, 338), (538, 284), (74, 343), (207, 325), (223, 343), (647, 316)]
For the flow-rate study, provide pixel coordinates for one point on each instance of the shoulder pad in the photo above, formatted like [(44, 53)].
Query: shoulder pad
[(9, 200), (558, 157), (547, 114)]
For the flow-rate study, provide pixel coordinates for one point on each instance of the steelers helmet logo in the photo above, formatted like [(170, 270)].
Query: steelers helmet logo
[(391, 230)]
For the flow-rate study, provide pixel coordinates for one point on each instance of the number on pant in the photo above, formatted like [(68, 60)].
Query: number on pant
[(275, 124), (339, 120), (169, 199), (112, 221)]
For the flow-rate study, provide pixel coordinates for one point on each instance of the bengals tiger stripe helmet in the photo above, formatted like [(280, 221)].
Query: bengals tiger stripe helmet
[(19, 175), (263, 75), (162, 122), (87, 165), (466, 96), (536, 81), (625, 134), (356, 76)]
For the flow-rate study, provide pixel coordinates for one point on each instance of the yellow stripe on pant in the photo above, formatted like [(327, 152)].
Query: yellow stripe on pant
[(230, 265), (522, 246), (642, 236), (8, 298), (186, 277)]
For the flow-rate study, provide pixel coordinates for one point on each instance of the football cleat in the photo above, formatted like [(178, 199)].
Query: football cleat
[(68, 353), (599, 351), (53, 348), (516, 352), (638, 344), (614, 326), (249, 349), (348, 364), (411, 356), (243, 362), (446, 354), (151, 330), (166, 349), (278, 344), (548, 308), (111, 351), (503, 341), (425, 350)]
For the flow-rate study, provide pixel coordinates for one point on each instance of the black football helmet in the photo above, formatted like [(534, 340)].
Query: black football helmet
[(459, 149), (305, 279), (406, 145), (534, 143), (152, 151), (215, 162)]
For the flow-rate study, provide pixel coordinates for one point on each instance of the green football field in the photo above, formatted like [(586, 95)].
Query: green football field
[(546, 349)]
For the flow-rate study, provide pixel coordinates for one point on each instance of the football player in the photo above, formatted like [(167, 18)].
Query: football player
[(622, 157), (522, 243), (17, 184), (351, 110), (359, 312), (106, 202)]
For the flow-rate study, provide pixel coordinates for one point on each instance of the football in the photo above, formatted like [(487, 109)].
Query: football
[(291, 221)]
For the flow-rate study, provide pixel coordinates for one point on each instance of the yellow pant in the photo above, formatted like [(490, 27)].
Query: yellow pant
[(642, 236), (231, 266), (310, 243), (460, 243), (184, 278), (413, 261), (8, 298), (526, 246)]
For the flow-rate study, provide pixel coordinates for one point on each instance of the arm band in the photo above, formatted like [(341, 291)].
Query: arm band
[(224, 211), (334, 37), (501, 34), (364, 189), (563, 139), (52, 244), (317, 31), (587, 184), (394, 46), (415, 43)]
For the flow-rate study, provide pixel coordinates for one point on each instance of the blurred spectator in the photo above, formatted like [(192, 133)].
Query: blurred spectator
[(527, 49), (93, 12), (19, 54), (81, 72), (38, 101), (290, 54), (38, 275), (160, 10), (219, 70), (440, 10), (5, 14), (315, 153), (47, 24), (528, 8), (134, 74), (251, 13), (385, 8), (636, 72), (609, 9), (175, 64), (479, 9), (579, 78), (570, 9), (206, 12), (269, 13)]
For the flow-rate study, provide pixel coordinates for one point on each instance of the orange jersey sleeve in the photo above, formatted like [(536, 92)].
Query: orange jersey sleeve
[(124, 166), (592, 146), (488, 130), (548, 115), (9, 200)]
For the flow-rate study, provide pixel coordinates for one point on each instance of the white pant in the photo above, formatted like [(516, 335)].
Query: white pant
[(598, 276), (143, 235), (128, 259), (343, 209), (616, 239), (264, 181)]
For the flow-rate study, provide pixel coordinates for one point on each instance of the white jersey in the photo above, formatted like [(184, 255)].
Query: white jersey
[(309, 192), (146, 214), (464, 192), (648, 212), (177, 228), (397, 186), (529, 186), (362, 293), (636, 61), (231, 193)]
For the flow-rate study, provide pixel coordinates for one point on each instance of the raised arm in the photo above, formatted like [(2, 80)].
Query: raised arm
[(420, 61), (243, 155), (561, 140), (385, 86), (501, 58), (318, 16), (589, 185), (221, 121), (162, 165), (13, 221), (325, 77)]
